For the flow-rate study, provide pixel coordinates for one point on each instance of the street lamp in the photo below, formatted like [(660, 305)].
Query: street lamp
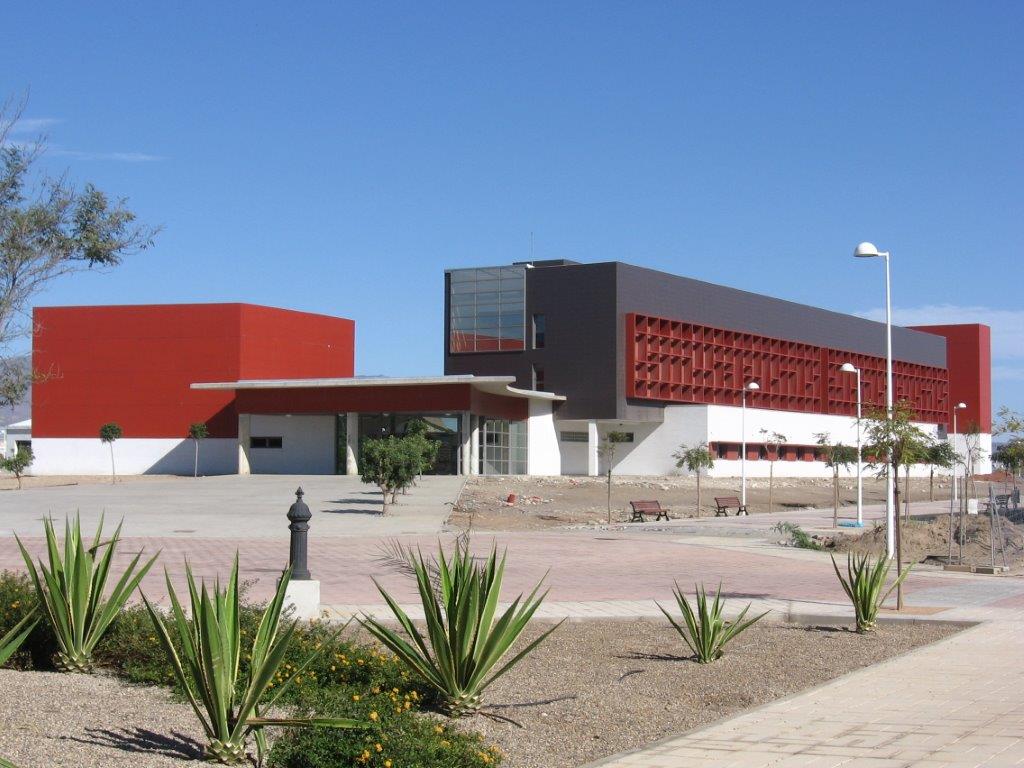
[(752, 387), (956, 450), (869, 251), (851, 368)]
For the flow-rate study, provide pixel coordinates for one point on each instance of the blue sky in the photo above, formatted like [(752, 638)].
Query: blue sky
[(337, 157)]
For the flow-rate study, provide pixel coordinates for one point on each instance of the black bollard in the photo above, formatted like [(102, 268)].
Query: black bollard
[(299, 516)]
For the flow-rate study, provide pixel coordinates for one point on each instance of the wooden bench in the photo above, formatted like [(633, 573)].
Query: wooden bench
[(724, 503), (650, 507)]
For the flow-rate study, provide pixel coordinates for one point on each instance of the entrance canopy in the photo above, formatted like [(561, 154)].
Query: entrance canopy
[(492, 396)]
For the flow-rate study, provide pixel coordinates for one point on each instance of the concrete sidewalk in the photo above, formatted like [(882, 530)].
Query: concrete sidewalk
[(955, 703)]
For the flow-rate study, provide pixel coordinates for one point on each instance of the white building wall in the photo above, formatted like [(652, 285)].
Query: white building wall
[(543, 457), (981, 445), (308, 445), (132, 456), (653, 444)]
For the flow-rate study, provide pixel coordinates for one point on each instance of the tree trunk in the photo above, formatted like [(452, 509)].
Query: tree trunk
[(906, 495), (835, 497), (771, 486), (113, 471), (931, 484), (899, 539), (698, 493), (195, 468), (384, 490), (609, 495)]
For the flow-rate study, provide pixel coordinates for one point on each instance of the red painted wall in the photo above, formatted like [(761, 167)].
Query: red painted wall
[(969, 359), (135, 364)]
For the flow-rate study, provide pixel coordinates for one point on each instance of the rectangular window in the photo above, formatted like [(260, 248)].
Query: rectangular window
[(574, 437), (487, 309), (538, 378), (266, 442), (538, 331), (503, 447)]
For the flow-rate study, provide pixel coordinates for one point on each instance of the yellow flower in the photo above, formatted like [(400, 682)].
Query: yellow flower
[(374, 716), (378, 747), (438, 729), (387, 764), (355, 697)]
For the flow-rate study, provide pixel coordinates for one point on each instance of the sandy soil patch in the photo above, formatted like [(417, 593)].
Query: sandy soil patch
[(926, 540), (548, 502)]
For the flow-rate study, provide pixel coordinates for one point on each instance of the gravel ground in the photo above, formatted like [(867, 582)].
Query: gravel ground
[(592, 689), (597, 688), (52, 720)]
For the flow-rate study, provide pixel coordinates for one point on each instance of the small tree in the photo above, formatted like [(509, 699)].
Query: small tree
[(696, 460), (382, 463), (109, 433), (893, 442), (940, 454), (1009, 423), (197, 432), (606, 451), (773, 442), (1011, 456), (18, 463), (836, 457)]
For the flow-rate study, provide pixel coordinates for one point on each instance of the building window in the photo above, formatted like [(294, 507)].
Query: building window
[(266, 442), (538, 378), (487, 309), (502, 447), (574, 437), (538, 331)]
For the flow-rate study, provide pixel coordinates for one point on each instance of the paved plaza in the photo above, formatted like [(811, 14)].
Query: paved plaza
[(955, 703)]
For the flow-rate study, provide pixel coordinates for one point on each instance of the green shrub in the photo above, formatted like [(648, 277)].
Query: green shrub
[(466, 638), (704, 631), (396, 736), (17, 600), (205, 654), (798, 537), (863, 584)]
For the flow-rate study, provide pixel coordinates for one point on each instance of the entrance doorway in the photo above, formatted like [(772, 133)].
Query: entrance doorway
[(442, 427)]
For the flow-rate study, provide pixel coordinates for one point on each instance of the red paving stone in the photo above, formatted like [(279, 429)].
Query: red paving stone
[(580, 566)]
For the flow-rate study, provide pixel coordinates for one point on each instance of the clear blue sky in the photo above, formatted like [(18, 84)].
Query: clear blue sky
[(337, 157)]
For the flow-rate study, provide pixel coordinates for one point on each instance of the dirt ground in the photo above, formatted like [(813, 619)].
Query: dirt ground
[(927, 540), (596, 688), (548, 502), (9, 483)]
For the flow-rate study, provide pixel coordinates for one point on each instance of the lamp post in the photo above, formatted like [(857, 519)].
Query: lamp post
[(869, 251), (851, 368), (956, 450), (752, 387)]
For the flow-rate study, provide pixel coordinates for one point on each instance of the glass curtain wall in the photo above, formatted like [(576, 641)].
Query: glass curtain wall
[(503, 448), (487, 309), (444, 428)]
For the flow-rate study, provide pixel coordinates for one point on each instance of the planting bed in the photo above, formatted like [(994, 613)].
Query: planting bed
[(592, 689)]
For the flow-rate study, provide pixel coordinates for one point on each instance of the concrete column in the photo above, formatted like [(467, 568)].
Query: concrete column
[(244, 433), (593, 467), (465, 446), (474, 445), (351, 443)]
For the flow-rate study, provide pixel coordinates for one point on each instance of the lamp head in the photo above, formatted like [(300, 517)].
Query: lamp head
[(753, 386), (848, 368), (866, 251), (960, 406)]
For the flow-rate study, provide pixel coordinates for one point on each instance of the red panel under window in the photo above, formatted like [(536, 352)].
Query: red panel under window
[(678, 362)]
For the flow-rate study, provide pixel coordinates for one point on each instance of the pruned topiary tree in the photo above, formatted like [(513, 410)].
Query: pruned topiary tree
[(695, 459), (196, 432), (109, 434)]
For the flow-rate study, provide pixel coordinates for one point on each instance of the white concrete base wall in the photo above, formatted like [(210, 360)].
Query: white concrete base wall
[(133, 456), (308, 445), (543, 457), (982, 446)]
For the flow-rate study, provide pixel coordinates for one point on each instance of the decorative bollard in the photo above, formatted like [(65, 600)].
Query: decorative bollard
[(303, 593), (299, 515)]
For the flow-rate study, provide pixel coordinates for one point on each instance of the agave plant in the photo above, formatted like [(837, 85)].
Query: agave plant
[(71, 589), (464, 645), (11, 641), (863, 584), (227, 702), (704, 630)]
